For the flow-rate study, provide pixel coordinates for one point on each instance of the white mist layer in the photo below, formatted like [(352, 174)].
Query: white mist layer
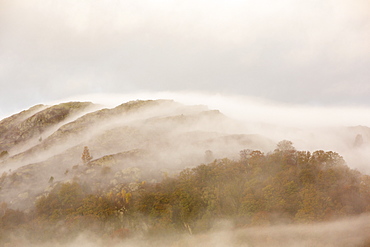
[(250, 109), (352, 231), (308, 127)]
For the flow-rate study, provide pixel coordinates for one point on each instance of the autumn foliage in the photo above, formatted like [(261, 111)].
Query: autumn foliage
[(285, 186)]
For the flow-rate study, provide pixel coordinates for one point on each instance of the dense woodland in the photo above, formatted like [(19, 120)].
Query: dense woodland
[(282, 187)]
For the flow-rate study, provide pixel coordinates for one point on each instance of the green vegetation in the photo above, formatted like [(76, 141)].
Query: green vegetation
[(285, 186)]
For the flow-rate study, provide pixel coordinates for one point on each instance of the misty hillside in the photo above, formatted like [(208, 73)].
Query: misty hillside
[(148, 137), (146, 168)]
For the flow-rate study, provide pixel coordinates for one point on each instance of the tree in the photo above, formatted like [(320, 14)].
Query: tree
[(358, 141), (61, 202), (245, 154), (314, 205), (86, 157), (285, 145), (97, 206)]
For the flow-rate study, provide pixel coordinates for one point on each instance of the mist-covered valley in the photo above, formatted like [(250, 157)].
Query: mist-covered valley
[(177, 174)]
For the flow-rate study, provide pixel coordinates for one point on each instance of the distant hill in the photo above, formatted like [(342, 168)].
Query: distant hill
[(157, 168), (153, 136)]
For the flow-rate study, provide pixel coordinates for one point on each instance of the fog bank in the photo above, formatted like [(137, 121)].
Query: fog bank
[(352, 232), (248, 108), (308, 127)]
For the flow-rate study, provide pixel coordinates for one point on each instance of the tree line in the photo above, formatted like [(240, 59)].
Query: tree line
[(282, 187)]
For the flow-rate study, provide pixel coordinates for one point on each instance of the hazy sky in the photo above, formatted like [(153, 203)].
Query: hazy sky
[(312, 53)]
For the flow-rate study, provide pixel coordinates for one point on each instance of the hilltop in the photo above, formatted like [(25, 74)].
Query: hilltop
[(149, 167), (150, 137)]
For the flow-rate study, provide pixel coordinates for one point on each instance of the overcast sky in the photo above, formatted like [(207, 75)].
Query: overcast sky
[(314, 53)]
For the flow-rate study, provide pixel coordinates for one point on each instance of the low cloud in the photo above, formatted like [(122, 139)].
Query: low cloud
[(250, 109), (345, 232), (309, 127)]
